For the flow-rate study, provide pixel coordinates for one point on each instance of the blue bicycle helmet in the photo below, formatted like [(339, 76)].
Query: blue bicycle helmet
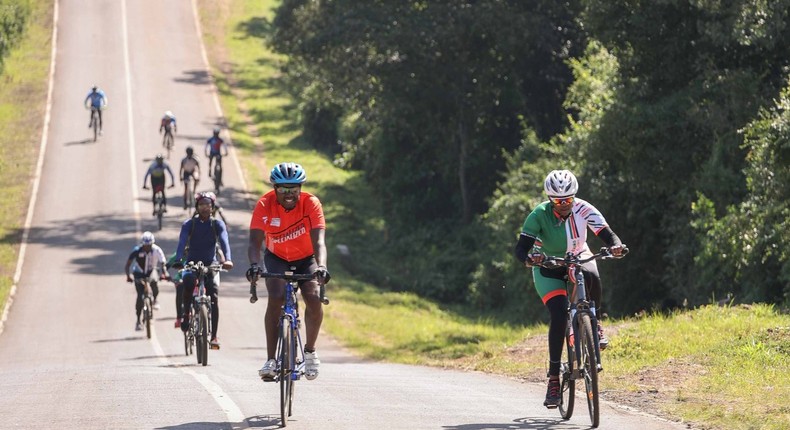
[(288, 173)]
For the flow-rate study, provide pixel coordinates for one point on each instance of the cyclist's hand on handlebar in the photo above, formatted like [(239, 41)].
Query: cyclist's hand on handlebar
[(145, 187), (252, 272), (618, 250), (534, 259), (129, 279), (227, 265), (322, 274)]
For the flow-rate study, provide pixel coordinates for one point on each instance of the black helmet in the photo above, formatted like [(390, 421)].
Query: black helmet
[(94, 88), (190, 150)]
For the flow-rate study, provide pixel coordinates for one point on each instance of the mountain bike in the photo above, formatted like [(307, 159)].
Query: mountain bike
[(148, 306), (217, 174), (290, 351), (159, 204), (190, 185), (94, 124), (199, 330), (581, 358), (168, 140)]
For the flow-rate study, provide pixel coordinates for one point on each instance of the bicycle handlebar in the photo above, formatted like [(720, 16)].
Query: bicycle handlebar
[(290, 277), (570, 259), (198, 266)]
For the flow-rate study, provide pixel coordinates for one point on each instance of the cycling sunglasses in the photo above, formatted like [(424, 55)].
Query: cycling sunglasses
[(284, 190), (561, 201)]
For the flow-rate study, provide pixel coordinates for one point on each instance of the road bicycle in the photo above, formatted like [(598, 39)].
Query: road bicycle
[(581, 358), (168, 140), (199, 330), (290, 351)]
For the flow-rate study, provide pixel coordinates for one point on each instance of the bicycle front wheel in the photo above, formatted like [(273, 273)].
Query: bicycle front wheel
[(217, 177), (567, 379), (202, 339), (589, 367), (286, 369), (147, 315)]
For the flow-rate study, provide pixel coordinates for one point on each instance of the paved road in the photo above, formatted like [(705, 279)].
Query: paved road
[(69, 355)]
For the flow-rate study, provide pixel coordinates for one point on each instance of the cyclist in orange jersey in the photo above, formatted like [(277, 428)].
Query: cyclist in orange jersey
[(291, 224)]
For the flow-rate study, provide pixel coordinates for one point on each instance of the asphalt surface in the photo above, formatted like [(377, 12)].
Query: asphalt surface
[(69, 355)]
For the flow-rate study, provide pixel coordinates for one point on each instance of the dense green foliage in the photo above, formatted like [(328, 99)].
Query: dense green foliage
[(13, 14), (455, 111)]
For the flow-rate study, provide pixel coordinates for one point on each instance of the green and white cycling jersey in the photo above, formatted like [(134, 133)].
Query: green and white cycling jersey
[(556, 236)]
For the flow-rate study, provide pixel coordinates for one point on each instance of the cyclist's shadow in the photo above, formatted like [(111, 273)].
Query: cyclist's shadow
[(256, 422), (526, 423)]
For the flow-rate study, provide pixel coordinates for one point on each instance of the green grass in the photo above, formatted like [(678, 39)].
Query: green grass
[(23, 92)]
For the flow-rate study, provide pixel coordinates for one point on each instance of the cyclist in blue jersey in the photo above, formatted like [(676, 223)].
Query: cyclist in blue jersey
[(215, 147), (96, 99), (204, 238), (157, 171), (556, 227)]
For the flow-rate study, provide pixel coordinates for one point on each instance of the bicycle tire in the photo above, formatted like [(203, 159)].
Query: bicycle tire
[(217, 177), (567, 380), (95, 122), (203, 339), (187, 344), (286, 369), (589, 367), (194, 329), (147, 315), (168, 143)]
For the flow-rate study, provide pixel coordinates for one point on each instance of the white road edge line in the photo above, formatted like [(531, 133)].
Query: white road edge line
[(231, 410), (39, 167)]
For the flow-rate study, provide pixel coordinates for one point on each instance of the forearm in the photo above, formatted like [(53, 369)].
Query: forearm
[(523, 247)]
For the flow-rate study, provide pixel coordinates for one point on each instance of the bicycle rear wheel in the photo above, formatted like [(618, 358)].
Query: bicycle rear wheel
[(286, 369), (567, 379), (589, 367), (202, 339)]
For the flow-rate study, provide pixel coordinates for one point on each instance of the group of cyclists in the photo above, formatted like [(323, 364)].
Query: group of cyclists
[(286, 233)]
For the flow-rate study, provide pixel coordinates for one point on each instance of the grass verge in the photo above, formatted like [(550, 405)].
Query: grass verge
[(704, 367), (23, 92)]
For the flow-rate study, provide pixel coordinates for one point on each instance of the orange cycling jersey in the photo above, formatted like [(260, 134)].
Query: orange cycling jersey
[(288, 232)]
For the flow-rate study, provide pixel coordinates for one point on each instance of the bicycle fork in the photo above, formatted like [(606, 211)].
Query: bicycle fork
[(296, 366)]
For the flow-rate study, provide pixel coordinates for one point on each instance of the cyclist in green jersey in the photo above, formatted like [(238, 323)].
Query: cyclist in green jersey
[(556, 227)]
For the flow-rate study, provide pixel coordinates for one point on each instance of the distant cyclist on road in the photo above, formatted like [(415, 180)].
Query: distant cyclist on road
[(290, 223), (215, 147), (190, 170), (168, 124), (97, 100), (157, 171), (147, 261), (559, 226), (202, 238)]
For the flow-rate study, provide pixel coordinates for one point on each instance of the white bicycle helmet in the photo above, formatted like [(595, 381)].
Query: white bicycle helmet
[(148, 238), (169, 114), (560, 183)]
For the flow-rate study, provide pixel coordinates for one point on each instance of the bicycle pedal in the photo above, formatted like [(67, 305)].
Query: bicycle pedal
[(268, 379)]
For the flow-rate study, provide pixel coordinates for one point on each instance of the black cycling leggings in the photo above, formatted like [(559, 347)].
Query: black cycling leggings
[(558, 311)]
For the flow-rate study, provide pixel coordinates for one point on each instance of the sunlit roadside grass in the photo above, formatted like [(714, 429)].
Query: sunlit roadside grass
[(23, 91)]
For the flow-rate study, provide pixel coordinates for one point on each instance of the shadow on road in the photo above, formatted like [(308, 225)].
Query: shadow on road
[(519, 423), (256, 422)]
